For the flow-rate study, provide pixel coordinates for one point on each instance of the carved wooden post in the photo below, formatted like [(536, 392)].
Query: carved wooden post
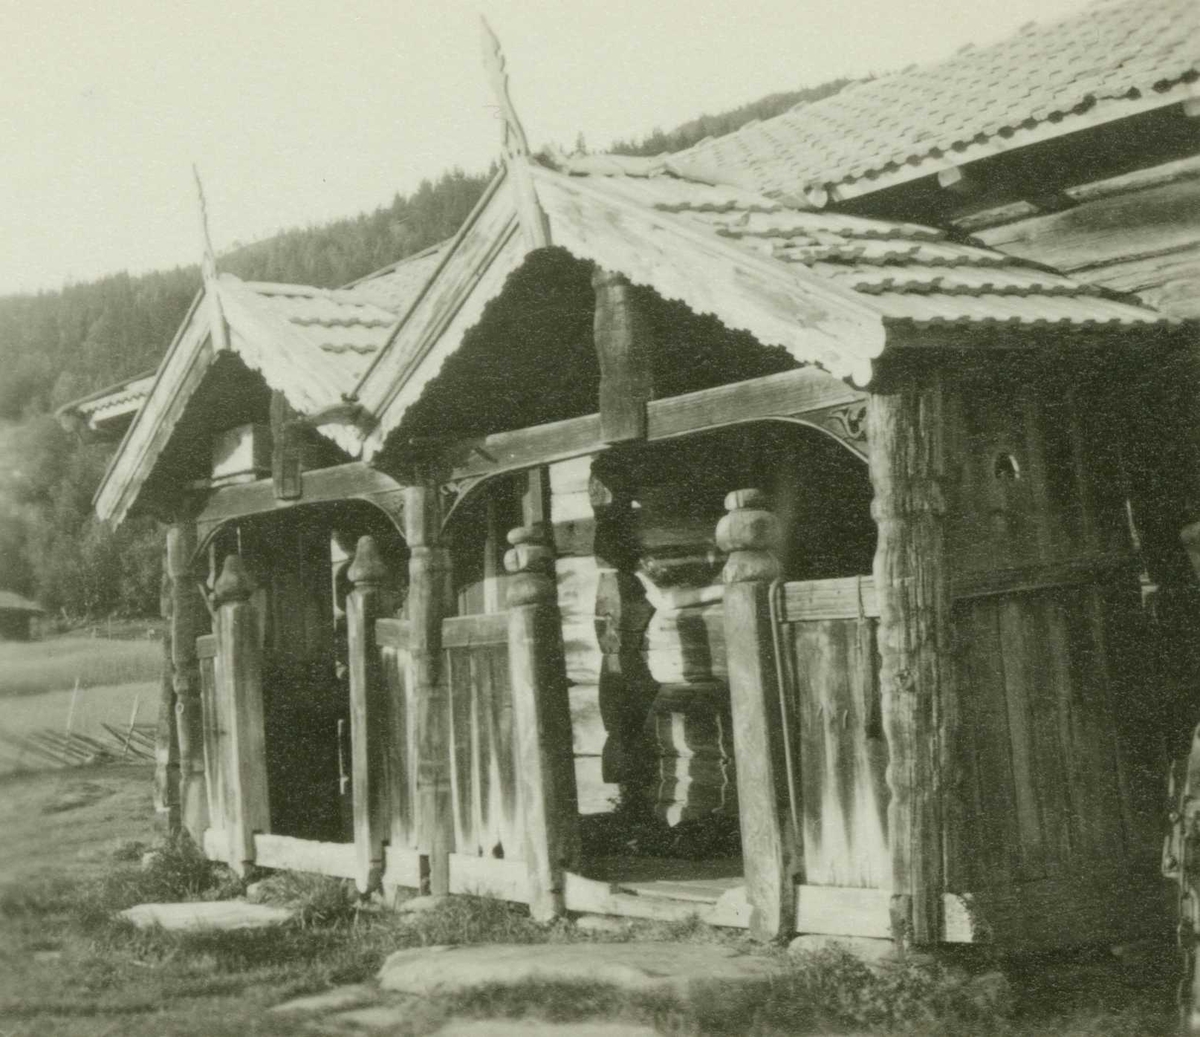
[(905, 453), (545, 761), (186, 621), (368, 717), (627, 689), (428, 593), (623, 350), (750, 534), (166, 743), (240, 694)]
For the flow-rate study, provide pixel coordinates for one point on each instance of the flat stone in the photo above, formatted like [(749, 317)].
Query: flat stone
[(865, 948), (632, 966), (537, 1028), (601, 924), (330, 1000), (210, 914), (376, 1017)]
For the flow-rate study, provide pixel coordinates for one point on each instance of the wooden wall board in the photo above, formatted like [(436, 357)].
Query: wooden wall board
[(497, 878), (307, 855)]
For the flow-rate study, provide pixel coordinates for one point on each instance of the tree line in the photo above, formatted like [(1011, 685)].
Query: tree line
[(56, 346)]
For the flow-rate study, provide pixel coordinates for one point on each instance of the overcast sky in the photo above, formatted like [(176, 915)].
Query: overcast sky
[(300, 111)]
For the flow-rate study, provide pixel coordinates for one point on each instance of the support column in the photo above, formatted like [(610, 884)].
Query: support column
[(166, 742), (239, 691), (750, 534), (368, 713), (627, 690), (187, 610), (541, 719), (428, 594), (905, 454)]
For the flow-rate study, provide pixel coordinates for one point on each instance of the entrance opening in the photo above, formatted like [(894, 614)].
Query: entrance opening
[(667, 767), (299, 559)]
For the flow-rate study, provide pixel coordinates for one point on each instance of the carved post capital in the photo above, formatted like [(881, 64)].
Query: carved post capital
[(750, 533), (234, 583), (531, 562), (367, 569)]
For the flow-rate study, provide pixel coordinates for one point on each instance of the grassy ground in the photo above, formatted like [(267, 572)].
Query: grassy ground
[(69, 860), (54, 664)]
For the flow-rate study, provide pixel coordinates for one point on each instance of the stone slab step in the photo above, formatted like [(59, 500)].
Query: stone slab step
[(210, 914)]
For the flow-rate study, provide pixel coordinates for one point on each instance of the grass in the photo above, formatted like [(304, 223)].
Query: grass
[(70, 967), (33, 667)]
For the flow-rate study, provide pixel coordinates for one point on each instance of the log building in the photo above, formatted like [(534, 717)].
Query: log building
[(678, 540)]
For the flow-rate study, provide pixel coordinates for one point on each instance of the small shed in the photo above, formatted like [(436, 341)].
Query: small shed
[(808, 545), (16, 616)]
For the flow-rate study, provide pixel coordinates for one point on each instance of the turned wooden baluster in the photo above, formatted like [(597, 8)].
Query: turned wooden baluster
[(750, 534), (545, 762), (240, 696), (368, 716)]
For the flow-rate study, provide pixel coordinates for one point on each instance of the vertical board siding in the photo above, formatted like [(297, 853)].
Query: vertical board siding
[(214, 775), (483, 776), (400, 755), (831, 667), (1039, 731)]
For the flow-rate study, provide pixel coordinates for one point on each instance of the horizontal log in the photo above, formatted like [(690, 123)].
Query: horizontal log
[(339, 482), (1070, 573), (307, 855), (845, 598), (851, 911), (495, 877), (484, 629), (392, 633)]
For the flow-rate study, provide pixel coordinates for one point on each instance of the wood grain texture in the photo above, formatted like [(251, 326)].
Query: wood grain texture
[(166, 741), (541, 721), (428, 596), (368, 714), (623, 347), (339, 860), (749, 533), (214, 771), (188, 620), (240, 677), (911, 572)]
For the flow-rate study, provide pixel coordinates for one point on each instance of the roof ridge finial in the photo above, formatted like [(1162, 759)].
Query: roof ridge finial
[(517, 161), (515, 142), (208, 265), (208, 269)]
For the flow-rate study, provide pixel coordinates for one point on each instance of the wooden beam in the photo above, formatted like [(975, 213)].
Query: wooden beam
[(354, 480), (767, 795), (428, 598), (790, 394), (907, 468), (622, 339), (166, 741), (285, 449)]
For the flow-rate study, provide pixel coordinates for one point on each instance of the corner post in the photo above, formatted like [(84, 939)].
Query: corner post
[(545, 762), (368, 715), (186, 612), (907, 466), (428, 594), (239, 692), (750, 534)]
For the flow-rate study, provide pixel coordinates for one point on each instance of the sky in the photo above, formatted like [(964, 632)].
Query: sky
[(298, 112)]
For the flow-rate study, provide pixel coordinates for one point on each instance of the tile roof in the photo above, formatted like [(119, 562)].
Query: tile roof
[(395, 287), (907, 272), (1111, 59)]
